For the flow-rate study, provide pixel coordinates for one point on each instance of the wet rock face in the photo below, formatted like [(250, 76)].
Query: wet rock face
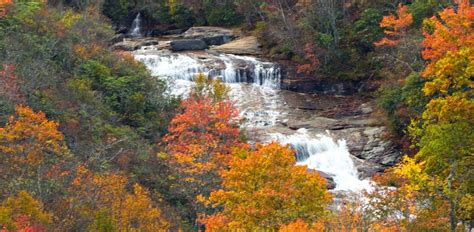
[(348, 118)]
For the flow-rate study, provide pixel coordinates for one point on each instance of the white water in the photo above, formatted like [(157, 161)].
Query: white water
[(254, 88), (135, 32), (322, 153)]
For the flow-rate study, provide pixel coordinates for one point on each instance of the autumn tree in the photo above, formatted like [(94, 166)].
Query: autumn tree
[(201, 138), (264, 190), (32, 150), (102, 201), (445, 131), (23, 213)]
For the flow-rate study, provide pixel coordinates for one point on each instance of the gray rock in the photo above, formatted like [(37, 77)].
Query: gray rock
[(126, 45), (149, 42), (117, 38), (365, 109), (210, 35), (244, 46), (133, 44), (330, 180), (188, 44), (366, 169), (315, 122)]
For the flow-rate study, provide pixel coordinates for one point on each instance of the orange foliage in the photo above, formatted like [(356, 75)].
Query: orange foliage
[(29, 137), (453, 30), (396, 27), (201, 138), (3, 4), (301, 226), (107, 193), (264, 190), (311, 56)]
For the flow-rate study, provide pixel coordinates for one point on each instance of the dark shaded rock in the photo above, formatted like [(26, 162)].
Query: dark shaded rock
[(188, 44), (122, 30), (173, 32), (155, 33), (217, 40), (210, 35), (321, 86), (149, 42), (330, 180)]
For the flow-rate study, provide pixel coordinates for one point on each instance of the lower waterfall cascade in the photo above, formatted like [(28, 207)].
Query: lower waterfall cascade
[(254, 87)]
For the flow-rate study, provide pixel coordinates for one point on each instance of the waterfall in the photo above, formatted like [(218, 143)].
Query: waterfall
[(322, 153), (255, 90), (135, 29), (230, 68)]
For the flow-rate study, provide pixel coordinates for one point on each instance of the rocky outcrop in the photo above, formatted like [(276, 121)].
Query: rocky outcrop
[(131, 45), (330, 184), (244, 46), (210, 35), (349, 118), (188, 44), (117, 38)]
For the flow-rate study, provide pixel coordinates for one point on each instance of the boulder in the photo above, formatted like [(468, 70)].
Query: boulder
[(117, 38), (188, 44), (133, 44), (149, 42), (366, 169), (244, 46), (210, 35), (330, 180), (126, 45)]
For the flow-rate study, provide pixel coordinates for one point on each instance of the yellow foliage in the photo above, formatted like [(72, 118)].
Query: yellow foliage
[(23, 205), (264, 190)]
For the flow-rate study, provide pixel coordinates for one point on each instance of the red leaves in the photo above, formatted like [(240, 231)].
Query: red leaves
[(313, 59), (396, 27), (9, 84)]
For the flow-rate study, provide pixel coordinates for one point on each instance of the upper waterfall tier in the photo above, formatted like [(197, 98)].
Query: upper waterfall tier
[(230, 68)]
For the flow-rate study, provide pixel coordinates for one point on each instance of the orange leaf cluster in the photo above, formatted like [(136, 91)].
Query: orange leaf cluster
[(29, 136), (3, 4), (108, 194), (453, 30), (395, 26), (264, 190), (201, 138)]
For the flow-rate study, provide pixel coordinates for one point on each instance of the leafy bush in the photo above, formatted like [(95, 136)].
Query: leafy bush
[(222, 16)]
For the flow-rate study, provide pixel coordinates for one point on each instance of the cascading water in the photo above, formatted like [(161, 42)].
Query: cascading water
[(135, 29), (255, 89), (322, 153)]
